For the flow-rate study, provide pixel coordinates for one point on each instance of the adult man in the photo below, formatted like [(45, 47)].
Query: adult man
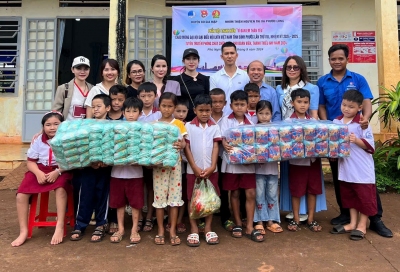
[(230, 78), (256, 72), (331, 87)]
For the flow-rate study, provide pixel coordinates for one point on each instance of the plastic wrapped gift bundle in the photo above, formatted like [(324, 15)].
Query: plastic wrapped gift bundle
[(285, 140), (79, 143)]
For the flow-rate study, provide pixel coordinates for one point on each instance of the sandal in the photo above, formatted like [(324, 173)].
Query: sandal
[(254, 235), (168, 227), (98, 232), (193, 237), (339, 229), (229, 225), (237, 229), (113, 228), (201, 227), (160, 240), (314, 226), (148, 226), (211, 235), (294, 226), (175, 241), (180, 228), (275, 228), (117, 235), (260, 228), (77, 232), (140, 225), (133, 236), (357, 235)]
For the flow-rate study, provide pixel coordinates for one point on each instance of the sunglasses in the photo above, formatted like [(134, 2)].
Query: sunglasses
[(294, 67)]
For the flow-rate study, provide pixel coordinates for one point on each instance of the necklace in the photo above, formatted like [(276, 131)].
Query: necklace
[(194, 77)]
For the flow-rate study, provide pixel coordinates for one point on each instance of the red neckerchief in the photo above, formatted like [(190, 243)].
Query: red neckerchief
[(45, 139)]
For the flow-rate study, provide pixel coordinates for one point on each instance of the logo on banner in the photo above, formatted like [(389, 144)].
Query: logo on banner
[(176, 32), (216, 14), (191, 14), (204, 13)]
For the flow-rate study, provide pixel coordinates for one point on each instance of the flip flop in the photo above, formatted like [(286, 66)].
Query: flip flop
[(135, 235), (275, 228), (211, 235), (357, 235), (260, 228), (339, 229), (195, 237), (229, 225), (237, 229), (175, 241), (161, 240), (253, 236), (120, 236)]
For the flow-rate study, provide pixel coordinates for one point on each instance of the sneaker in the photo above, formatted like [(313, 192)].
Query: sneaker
[(289, 216), (303, 217), (128, 209)]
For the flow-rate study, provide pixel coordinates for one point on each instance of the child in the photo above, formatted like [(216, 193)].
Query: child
[(118, 96), (356, 173), (253, 91), (239, 176), (147, 92), (94, 186), (202, 154), (126, 184), (218, 103), (305, 174), (167, 181), (267, 206), (43, 176)]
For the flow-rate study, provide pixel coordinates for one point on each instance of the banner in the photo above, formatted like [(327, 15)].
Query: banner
[(362, 46), (268, 33)]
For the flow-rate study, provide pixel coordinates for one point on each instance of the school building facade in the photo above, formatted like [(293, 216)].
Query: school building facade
[(39, 39)]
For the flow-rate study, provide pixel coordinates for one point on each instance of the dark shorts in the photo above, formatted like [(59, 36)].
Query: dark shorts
[(233, 182), (361, 197), (305, 179), (126, 191), (148, 178), (191, 179)]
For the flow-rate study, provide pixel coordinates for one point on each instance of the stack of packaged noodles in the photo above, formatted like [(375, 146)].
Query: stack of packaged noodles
[(293, 139), (79, 143)]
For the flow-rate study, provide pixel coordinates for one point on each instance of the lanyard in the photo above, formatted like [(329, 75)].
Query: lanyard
[(83, 94)]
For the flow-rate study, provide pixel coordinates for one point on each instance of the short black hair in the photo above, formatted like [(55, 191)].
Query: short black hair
[(337, 47), (202, 99), (354, 96), (239, 95), (105, 98), (217, 91), (133, 103), (147, 87), (116, 89), (300, 93), (182, 101), (228, 44), (263, 104), (170, 96), (251, 87)]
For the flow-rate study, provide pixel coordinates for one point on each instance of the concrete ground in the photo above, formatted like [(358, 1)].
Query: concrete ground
[(287, 251)]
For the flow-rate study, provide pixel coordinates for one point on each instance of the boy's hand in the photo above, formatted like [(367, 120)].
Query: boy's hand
[(52, 176), (41, 177), (207, 172), (353, 138), (363, 122), (179, 144), (226, 146), (197, 171), (95, 165)]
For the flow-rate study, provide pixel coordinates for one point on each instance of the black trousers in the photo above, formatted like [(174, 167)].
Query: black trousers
[(335, 175)]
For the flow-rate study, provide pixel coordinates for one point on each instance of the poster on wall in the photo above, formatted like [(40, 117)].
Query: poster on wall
[(266, 33), (362, 46)]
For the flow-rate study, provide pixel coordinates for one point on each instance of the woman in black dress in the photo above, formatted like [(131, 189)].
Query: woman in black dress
[(135, 75)]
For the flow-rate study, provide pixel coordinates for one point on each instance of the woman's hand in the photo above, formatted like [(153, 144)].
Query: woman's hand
[(52, 176), (41, 177)]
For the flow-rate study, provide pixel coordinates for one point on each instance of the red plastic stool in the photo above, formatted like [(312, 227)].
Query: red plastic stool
[(40, 220)]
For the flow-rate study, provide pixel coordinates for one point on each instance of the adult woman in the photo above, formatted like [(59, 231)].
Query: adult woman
[(135, 75), (70, 97), (109, 70), (294, 76), (192, 82), (160, 70)]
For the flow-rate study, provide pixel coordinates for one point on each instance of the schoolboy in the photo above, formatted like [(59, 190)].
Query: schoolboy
[(182, 109), (147, 92), (218, 103), (118, 95), (304, 174), (126, 184), (239, 176), (94, 186), (253, 91), (356, 173), (202, 155)]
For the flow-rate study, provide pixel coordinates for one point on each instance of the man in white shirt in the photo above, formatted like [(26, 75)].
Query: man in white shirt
[(230, 78)]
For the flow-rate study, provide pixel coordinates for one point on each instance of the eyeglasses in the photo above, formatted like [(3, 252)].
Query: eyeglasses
[(294, 67), (138, 72)]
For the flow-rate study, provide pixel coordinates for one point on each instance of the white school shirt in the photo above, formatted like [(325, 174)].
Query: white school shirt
[(218, 122), (153, 115), (227, 123), (77, 108), (359, 167), (98, 89), (127, 171), (40, 151), (201, 140), (229, 84)]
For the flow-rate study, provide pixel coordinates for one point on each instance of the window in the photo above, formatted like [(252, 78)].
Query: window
[(84, 3), (10, 3), (311, 50), (9, 55)]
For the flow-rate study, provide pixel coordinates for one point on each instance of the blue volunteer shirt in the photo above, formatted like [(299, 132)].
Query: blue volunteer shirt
[(268, 93), (331, 91)]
